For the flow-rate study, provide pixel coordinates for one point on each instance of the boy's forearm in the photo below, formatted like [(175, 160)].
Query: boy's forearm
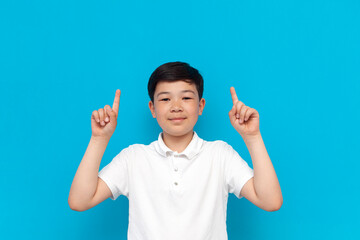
[(86, 178), (266, 183)]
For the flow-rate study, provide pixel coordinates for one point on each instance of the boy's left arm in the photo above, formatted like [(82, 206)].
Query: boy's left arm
[(263, 189)]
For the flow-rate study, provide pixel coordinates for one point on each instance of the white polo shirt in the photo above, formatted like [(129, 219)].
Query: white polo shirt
[(177, 196)]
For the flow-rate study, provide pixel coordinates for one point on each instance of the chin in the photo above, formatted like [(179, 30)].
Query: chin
[(177, 133)]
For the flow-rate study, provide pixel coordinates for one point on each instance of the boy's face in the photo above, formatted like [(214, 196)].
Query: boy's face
[(176, 107)]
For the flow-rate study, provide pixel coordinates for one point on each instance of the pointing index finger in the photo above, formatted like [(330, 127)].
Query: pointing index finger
[(116, 101), (233, 95)]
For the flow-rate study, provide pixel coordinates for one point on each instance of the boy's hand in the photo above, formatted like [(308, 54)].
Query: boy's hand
[(103, 121), (244, 119)]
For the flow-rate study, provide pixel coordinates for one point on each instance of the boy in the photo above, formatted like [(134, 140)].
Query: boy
[(178, 185)]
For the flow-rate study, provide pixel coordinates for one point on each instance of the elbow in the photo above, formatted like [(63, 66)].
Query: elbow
[(75, 207), (274, 206)]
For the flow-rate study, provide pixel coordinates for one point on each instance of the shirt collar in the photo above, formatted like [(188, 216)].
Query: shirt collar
[(190, 151)]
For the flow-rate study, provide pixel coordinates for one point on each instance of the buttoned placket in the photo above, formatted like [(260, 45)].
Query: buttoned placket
[(176, 173)]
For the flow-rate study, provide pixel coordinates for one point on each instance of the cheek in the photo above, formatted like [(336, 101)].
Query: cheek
[(194, 110), (161, 113)]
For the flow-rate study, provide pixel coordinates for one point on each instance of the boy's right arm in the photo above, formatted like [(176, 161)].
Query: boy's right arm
[(87, 189)]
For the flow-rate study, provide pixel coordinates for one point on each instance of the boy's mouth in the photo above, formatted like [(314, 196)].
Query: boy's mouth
[(176, 119)]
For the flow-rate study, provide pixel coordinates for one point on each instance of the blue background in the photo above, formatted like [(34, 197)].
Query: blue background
[(296, 62)]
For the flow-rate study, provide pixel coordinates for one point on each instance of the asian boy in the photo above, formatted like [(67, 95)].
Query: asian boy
[(177, 186)]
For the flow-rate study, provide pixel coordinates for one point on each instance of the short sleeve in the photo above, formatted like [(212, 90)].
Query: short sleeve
[(237, 171), (115, 175)]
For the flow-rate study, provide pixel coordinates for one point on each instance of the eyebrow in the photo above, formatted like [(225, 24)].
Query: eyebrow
[(183, 91)]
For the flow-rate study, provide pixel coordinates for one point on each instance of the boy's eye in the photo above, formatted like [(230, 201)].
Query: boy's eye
[(166, 99)]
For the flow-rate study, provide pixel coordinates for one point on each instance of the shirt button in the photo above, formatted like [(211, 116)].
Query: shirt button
[(175, 183)]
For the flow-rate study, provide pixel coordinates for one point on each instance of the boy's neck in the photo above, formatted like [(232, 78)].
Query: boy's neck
[(177, 143)]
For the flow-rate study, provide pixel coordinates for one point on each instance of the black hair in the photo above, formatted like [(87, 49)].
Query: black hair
[(175, 71)]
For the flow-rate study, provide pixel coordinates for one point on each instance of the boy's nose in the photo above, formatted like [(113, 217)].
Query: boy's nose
[(176, 107)]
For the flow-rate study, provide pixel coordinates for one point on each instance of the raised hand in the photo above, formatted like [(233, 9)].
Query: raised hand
[(104, 120), (243, 118)]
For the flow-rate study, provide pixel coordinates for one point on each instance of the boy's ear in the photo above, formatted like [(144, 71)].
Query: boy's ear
[(201, 106), (152, 109)]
